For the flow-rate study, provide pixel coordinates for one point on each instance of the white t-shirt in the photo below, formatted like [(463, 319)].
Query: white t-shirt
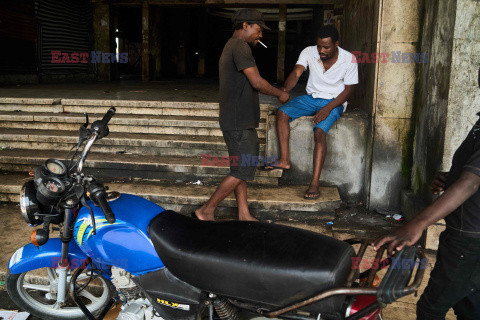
[(329, 84)]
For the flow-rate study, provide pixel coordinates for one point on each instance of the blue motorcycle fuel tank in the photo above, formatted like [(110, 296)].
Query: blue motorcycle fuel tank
[(125, 243)]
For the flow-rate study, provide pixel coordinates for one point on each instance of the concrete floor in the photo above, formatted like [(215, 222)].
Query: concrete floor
[(198, 90), (14, 233)]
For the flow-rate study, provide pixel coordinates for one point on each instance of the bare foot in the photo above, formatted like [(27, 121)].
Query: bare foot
[(203, 215), (246, 217), (281, 164)]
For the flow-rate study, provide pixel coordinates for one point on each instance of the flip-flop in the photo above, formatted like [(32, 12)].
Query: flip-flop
[(270, 168), (316, 195)]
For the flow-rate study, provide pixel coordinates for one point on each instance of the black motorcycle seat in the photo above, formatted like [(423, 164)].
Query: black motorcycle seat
[(255, 261)]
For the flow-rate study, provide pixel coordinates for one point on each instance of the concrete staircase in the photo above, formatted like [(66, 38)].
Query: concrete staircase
[(155, 149)]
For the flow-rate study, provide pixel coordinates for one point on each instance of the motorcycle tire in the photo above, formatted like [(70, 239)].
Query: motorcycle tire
[(35, 299)]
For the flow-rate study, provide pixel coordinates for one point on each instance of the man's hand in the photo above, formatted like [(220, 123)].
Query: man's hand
[(284, 97), (407, 235), (321, 115), (439, 182)]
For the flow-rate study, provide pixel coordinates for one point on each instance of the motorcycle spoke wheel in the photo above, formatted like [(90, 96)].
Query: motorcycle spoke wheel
[(36, 292)]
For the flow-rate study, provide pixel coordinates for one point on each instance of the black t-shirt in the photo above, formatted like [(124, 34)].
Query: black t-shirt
[(239, 106), (466, 218)]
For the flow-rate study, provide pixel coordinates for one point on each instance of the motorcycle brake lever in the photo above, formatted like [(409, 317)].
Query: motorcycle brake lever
[(92, 216)]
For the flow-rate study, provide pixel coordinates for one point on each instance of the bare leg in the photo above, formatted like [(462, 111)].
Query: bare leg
[(227, 186), (241, 195), (319, 154), (283, 133)]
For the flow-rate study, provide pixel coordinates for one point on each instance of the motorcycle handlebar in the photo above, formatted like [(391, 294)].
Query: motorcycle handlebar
[(107, 211), (99, 196), (108, 115), (101, 126)]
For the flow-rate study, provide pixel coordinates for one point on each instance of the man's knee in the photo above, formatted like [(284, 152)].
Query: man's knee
[(320, 136), (282, 116)]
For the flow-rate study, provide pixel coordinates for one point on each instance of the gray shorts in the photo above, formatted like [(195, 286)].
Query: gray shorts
[(243, 149)]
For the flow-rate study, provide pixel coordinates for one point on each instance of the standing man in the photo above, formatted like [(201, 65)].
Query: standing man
[(333, 74), (240, 83), (455, 279)]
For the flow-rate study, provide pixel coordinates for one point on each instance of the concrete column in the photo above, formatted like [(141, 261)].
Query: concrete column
[(155, 42), (202, 43), (282, 30), (393, 102), (145, 41), (101, 29)]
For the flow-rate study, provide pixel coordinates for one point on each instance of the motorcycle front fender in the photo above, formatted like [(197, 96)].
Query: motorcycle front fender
[(30, 257)]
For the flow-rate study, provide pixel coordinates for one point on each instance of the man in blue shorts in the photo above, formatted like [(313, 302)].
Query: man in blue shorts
[(333, 74)]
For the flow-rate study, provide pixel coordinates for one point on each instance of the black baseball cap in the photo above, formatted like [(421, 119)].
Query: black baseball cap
[(250, 16)]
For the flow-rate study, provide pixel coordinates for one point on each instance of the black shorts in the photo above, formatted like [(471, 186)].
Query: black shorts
[(243, 149)]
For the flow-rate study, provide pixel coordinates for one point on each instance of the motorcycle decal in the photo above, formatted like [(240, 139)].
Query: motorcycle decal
[(17, 256), (174, 305), (83, 228)]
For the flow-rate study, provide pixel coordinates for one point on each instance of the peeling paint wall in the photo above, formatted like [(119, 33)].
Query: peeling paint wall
[(433, 93), (464, 96), (449, 97)]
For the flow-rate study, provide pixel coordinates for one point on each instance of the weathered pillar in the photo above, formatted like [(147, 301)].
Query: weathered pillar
[(145, 41), (202, 43), (393, 102), (155, 43), (101, 29), (282, 30)]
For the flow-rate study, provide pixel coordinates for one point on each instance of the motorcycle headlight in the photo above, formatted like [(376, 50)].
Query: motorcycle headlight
[(29, 204)]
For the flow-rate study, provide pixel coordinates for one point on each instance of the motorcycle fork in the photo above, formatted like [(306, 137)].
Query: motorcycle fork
[(63, 265)]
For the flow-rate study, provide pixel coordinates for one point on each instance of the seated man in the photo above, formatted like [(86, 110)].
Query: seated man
[(333, 73)]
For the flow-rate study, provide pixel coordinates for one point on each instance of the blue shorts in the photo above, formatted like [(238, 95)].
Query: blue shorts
[(307, 106)]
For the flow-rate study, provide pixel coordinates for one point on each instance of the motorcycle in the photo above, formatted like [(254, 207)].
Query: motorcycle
[(158, 264)]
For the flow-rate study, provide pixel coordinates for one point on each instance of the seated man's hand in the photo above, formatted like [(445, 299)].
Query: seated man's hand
[(407, 235), (321, 115), (439, 182), (284, 97)]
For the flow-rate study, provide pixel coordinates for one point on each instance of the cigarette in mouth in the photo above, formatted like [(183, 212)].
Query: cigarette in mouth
[(262, 43)]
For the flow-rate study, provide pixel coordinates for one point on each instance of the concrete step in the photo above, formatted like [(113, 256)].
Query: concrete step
[(285, 203), (146, 144), (133, 166), (118, 119), (167, 108), (177, 125), (122, 129)]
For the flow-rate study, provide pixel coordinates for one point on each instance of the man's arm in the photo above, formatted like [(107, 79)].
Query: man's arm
[(262, 85), (323, 113), (293, 77), (411, 232)]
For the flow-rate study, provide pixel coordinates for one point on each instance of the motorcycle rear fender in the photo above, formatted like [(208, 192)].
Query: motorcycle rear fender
[(30, 257)]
